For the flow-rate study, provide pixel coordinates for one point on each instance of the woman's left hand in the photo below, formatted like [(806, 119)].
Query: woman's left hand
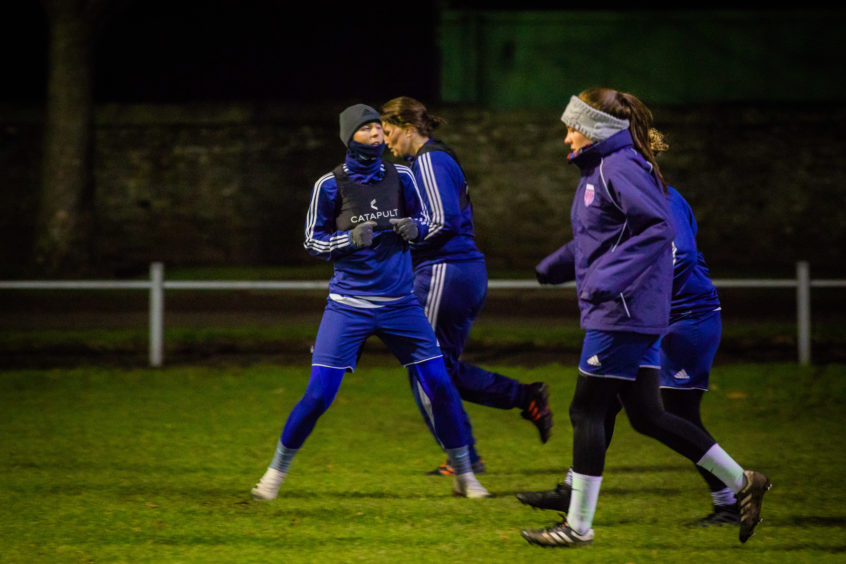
[(406, 228)]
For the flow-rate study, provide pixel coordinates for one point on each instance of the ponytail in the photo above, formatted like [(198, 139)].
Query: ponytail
[(406, 111), (647, 140)]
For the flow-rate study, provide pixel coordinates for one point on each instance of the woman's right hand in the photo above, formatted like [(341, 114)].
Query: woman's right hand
[(362, 234)]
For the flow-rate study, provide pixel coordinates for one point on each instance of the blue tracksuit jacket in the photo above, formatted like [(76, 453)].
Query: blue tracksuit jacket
[(451, 237), (693, 291)]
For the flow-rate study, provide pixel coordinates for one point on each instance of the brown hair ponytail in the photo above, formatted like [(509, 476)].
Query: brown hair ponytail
[(647, 140), (406, 111)]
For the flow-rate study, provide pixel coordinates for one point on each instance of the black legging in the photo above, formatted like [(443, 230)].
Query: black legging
[(596, 403), (685, 404)]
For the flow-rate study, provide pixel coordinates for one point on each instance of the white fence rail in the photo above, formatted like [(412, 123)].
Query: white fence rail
[(157, 285)]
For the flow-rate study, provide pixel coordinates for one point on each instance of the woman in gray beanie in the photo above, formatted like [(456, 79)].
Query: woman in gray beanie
[(363, 216)]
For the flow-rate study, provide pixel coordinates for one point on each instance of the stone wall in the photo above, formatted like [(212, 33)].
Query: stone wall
[(229, 185)]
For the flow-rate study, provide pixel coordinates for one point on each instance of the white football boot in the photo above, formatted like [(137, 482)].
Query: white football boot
[(466, 485), (268, 486)]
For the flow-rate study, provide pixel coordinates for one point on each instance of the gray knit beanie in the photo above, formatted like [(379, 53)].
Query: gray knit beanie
[(354, 117)]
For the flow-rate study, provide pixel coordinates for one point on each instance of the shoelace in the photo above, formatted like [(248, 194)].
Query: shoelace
[(562, 524)]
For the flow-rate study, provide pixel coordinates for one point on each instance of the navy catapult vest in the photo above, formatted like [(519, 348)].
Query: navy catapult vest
[(379, 202)]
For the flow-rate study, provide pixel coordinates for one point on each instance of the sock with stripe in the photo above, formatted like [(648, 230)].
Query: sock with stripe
[(459, 458), (282, 457)]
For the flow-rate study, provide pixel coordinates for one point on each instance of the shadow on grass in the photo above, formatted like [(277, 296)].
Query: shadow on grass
[(813, 521), (646, 468)]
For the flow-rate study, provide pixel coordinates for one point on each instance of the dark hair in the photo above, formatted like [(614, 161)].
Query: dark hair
[(405, 111), (647, 140)]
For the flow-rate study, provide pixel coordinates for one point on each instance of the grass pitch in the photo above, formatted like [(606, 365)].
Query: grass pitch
[(146, 465)]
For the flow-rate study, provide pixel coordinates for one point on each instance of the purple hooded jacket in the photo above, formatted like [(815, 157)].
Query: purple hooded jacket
[(622, 240)]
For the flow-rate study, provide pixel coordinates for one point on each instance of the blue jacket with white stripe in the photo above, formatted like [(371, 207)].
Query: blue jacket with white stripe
[(693, 290), (443, 187)]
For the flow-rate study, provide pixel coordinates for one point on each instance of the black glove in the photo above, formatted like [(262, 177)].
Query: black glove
[(542, 277), (362, 234), (405, 227)]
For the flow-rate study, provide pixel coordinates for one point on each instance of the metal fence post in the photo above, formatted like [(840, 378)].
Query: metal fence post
[(803, 311), (156, 313)]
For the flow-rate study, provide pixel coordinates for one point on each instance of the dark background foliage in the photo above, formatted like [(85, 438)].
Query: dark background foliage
[(213, 120)]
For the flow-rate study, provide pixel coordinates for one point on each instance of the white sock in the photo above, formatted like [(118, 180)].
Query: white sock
[(583, 502), (720, 464), (723, 497)]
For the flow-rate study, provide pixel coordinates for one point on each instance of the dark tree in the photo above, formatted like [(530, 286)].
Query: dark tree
[(66, 216)]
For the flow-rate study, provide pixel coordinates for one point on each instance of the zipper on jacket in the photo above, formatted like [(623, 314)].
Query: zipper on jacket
[(626, 307)]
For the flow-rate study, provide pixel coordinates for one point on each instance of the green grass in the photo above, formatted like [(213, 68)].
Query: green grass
[(144, 465)]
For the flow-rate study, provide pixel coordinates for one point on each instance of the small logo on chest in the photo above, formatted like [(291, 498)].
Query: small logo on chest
[(590, 194)]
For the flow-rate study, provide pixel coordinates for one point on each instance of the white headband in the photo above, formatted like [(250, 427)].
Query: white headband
[(592, 123)]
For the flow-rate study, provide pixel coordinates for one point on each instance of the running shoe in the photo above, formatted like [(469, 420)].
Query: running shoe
[(538, 411), (750, 498), (466, 485), (446, 469), (557, 535), (557, 499), (722, 515), (268, 486)]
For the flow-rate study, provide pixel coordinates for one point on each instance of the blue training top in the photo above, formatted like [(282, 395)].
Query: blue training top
[(383, 269), (443, 187), (693, 290)]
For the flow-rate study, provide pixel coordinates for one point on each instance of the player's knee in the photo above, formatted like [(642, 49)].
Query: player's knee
[(433, 375), (315, 403), (579, 414), (645, 422), (452, 365), (322, 388)]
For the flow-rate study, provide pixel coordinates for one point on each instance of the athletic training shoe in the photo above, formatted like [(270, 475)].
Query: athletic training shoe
[(466, 485), (268, 486), (558, 535), (750, 498), (722, 515), (557, 499), (538, 411), (446, 469)]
